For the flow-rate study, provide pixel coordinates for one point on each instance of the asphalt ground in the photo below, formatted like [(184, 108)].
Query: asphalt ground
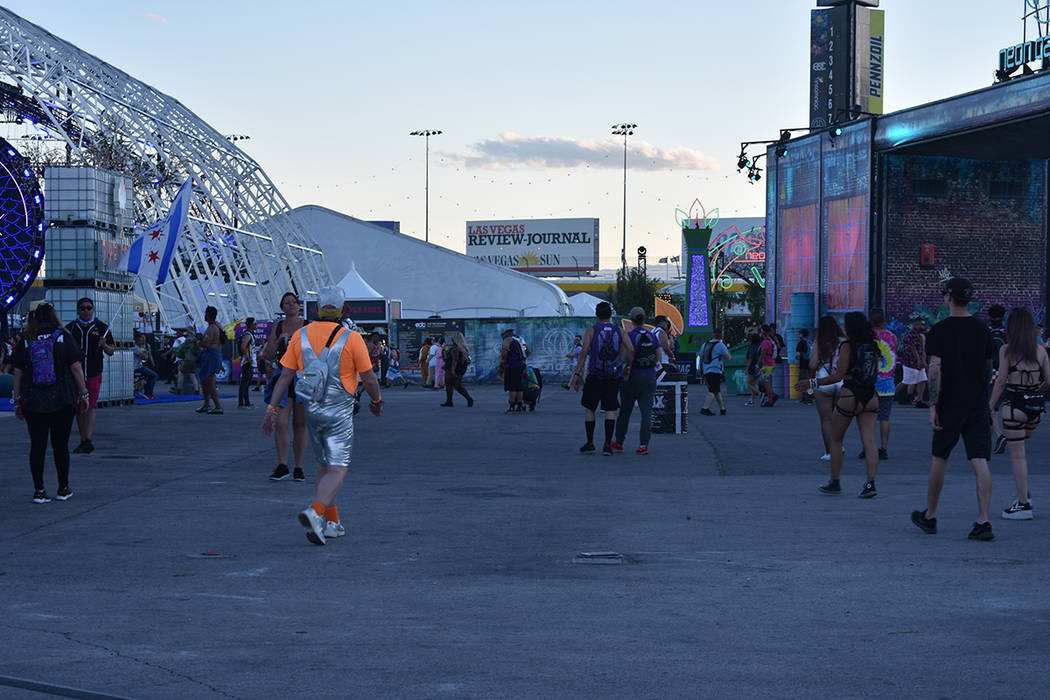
[(178, 570)]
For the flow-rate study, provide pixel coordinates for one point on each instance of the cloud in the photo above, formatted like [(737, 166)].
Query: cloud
[(155, 18), (510, 151)]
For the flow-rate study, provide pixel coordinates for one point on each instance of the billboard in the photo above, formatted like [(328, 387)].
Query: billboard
[(846, 55), (536, 246), (869, 59)]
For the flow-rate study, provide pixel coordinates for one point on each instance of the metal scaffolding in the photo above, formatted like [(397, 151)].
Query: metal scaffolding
[(233, 254)]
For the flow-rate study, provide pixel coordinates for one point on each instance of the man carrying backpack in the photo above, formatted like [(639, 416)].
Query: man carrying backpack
[(512, 358), (48, 384), (711, 362), (607, 354), (640, 383), (331, 360), (93, 338)]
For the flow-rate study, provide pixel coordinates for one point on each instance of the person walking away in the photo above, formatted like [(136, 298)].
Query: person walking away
[(668, 342), (960, 349), (996, 314), (858, 370), (143, 360), (512, 357), (823, 363), (639, 384), (766, 364), (778, 340), (93, 338), (210, 363), (753, 351), (803, 349), (190, 351), (573, 355), (607, 355), (1020, 390), (913, 359), (441, 363), (48, 383), (384, 362), (332, 359), (424, 361), (710, 362), (886, 342), (246, 347), (273, 351), (458, 361)]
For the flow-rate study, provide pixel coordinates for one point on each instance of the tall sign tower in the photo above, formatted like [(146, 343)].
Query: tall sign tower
[(846, 61)]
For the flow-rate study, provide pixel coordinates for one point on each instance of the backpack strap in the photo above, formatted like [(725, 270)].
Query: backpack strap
[(308, 350)]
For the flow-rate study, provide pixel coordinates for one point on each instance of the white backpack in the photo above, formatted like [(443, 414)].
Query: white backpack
[(312, 382)]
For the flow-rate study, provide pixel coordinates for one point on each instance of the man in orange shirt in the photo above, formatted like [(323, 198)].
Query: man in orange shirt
[(330, 420)]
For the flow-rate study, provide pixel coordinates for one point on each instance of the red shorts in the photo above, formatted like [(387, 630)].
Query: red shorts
[(94, 386)]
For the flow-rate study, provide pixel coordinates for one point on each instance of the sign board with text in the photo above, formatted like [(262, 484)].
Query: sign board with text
[(536, 246)]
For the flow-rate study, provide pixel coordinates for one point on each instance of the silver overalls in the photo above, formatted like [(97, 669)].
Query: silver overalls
[(330, 421)]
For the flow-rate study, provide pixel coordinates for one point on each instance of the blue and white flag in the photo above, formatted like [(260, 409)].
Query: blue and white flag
[(150, 255)]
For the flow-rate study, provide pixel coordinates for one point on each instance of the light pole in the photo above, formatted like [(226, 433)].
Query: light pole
[(624, 130), (427, 133)]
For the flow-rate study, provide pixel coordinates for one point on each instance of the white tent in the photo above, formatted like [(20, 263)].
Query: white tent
[(583, 304), (355, 287), (427, 278)]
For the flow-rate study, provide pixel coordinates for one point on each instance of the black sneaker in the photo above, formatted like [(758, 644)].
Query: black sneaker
[(607, 450), (203, 409), (883, 455), (298, 475), (1000, 444), (64, 494), (982, 532), (281, 472), (921, 404), (832, 487), (41, 496), (706, 412), (589, 447), (80, 449), (722, 412), (868, 491), (1018, 511), (927, 525), (89, 447), (862, 454)]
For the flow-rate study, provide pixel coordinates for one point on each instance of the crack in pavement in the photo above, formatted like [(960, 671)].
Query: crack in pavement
[(719, 464), (116, 652)]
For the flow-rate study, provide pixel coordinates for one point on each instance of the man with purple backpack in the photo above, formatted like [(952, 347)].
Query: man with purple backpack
[(640, 382), (607, 353)]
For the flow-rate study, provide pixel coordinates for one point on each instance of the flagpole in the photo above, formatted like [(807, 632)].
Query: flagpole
[(109, 326)]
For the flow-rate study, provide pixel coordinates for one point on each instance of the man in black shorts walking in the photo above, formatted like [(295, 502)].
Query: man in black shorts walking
[(607, 353), (960, 350), (512, 357)]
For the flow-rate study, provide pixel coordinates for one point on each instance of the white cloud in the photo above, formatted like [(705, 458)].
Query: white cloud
[(153, 17), (510, 151)]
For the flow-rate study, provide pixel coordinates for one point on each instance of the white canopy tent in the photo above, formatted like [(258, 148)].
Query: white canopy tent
[(584, 304), (355, 287), (430, 280)]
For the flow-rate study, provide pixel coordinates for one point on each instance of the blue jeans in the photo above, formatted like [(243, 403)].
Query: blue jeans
[(640, 387), (149, 379)]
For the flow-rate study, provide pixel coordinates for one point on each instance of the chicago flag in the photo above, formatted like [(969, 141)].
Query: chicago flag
[(150, 255)]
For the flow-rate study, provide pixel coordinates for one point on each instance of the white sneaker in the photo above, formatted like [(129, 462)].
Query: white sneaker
[(826, 457), (314, 525), (333, 530)]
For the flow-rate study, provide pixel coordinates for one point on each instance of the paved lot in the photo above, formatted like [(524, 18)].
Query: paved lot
[(179, 571)]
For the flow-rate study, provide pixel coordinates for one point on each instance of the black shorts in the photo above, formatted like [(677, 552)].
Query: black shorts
[(714, 382), (513, 379), (975, 431), (602, 391)]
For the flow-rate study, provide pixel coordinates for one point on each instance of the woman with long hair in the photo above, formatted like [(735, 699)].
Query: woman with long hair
[(457, 361), (49, 387), (1022, 381), (822, 362), (276, 343), (858, 368)]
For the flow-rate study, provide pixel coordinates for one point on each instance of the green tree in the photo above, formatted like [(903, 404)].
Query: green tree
[(634, 287)]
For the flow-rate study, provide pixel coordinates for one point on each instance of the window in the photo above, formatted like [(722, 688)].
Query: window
[(1005, 189), (798, 237), (847, 254)]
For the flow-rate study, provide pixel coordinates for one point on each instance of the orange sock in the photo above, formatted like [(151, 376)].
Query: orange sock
[(318, 507), (331, 514)]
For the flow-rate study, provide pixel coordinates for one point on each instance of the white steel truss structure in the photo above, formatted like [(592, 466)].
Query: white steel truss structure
[(233, 254)]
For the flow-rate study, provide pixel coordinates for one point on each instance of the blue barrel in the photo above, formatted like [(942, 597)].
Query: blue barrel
[(803, 310)]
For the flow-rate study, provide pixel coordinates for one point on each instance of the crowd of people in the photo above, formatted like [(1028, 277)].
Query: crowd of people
[(975, 381)]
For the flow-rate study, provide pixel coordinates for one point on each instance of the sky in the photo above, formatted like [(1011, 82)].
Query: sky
[(525, 95)]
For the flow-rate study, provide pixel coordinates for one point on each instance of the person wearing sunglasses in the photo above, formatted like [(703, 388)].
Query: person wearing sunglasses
[(94, 338)]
